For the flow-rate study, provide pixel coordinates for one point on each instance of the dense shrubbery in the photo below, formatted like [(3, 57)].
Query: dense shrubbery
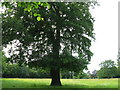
[(10, 70), (16, 71), (108, 70)]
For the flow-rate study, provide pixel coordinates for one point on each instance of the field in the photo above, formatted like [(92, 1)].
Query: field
[(67, 83)]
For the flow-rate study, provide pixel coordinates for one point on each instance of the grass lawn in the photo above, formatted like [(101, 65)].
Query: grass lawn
[(67, 83)]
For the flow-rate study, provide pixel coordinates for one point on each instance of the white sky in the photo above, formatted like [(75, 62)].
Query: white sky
[(105, 46)]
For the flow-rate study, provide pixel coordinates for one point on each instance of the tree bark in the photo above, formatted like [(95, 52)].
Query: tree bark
[(55, 69), (55, 74)]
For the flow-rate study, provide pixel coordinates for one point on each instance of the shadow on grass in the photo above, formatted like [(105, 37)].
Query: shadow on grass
[(69, 86), (60, 89), (64, 87)]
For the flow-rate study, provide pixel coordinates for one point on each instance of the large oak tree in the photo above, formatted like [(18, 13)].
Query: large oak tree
[(67, 29)]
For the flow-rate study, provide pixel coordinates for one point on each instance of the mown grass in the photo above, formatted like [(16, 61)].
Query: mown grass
[(66, 83)]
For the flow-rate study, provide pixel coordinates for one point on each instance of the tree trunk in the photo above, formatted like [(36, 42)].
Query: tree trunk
[(55, 74), (55, 69)]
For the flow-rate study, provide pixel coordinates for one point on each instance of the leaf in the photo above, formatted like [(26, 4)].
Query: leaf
[(35, 14), (29, 10), (38, 15), (19, 4), (48, 6), (42, 18), (38, 18), (25, 9), (36, 6), (30, 13), (39, 3)]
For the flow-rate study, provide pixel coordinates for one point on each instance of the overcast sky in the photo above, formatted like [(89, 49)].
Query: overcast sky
[(105, 46)]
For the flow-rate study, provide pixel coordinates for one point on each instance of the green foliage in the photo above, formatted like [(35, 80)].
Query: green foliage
[(74, 75), (10, 70), (29, 7), (16, 71), (108, 69), (67, 74), (32, 6), (107, 64), (82, 75), (107, 73), (67, 28), (39, 18)]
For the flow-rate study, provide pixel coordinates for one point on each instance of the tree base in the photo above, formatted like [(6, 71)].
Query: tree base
[(55, 84), (55, 73)]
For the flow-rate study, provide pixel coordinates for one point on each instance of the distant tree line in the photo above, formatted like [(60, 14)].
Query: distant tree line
[(16, 71), (13, 70), (108, 69)]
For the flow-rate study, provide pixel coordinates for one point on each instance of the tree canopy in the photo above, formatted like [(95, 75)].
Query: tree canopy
[(108, 69), (66, 29)]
